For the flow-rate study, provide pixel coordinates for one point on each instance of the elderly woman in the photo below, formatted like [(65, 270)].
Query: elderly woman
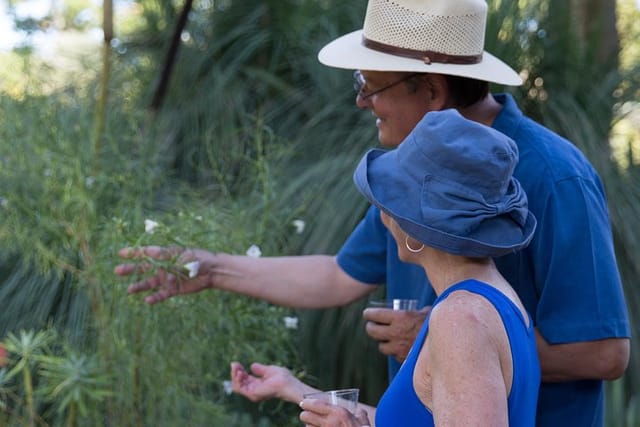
[(449, 199)]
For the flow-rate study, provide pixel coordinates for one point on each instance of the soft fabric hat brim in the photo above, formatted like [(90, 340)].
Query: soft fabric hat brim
[(348, 52), (406, 182)]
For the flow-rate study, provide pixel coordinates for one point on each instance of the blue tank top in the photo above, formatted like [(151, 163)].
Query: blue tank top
[(400, 405)]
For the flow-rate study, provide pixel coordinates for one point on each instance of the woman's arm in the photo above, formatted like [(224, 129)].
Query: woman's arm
[(460, 364)]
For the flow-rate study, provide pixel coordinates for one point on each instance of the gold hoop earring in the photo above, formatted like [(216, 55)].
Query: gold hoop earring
[(410, 249)]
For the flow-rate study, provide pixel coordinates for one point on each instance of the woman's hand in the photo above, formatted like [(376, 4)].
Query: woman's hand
[(316, 413), (266, 382)]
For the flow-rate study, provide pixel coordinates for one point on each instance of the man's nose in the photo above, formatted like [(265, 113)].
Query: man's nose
[(362, 103)]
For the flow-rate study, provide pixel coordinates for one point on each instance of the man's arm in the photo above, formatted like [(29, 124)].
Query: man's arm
[(602, 359), (314, 281)]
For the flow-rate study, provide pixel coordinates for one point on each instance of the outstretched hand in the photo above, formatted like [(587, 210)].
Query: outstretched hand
[(272, 381), (266, 382), (164, 283)]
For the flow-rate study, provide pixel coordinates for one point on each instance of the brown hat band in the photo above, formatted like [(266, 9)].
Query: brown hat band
[(424, 55)]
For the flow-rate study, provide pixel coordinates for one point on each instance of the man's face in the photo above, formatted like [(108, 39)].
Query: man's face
[(397, 109)]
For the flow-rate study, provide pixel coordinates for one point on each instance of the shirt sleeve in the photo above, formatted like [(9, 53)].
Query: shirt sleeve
[(363, 256), (577, 278)]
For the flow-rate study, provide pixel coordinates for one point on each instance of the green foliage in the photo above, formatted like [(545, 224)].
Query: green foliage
[(73, 383), (68, 212), (254, 134), (622, 406), (629, 28), (28, 347)]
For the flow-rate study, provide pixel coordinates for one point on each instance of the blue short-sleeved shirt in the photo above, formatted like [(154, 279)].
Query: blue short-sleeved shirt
[(567, 278)]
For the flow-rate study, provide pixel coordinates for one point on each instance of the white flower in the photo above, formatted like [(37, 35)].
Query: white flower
[(4, 202), (226, 386), (254, 251), (198, 218), (193, 268), (88, 182), (299, 225), (290, 322), (150, 226)]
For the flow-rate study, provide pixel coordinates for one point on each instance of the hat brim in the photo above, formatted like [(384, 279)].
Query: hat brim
[(348, 52), (470, 245)]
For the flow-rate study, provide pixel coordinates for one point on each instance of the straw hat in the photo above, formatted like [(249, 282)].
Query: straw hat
[(430, 36), (450, 185)]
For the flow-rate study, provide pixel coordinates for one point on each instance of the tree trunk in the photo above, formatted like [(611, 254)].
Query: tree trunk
[(172, 53), (596, 23), (107, 28)]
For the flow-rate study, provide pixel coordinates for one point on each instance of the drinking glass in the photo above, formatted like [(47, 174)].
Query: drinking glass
[(346, 398), (395, 304)]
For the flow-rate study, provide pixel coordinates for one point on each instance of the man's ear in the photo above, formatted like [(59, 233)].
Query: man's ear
[(437, 91)]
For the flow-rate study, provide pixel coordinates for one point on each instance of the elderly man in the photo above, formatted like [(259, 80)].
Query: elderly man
[(411, 58)]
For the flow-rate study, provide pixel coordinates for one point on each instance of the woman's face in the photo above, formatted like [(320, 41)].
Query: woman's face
[(398, 235)]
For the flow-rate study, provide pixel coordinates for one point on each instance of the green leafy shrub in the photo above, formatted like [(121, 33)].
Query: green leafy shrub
[(113, 359)]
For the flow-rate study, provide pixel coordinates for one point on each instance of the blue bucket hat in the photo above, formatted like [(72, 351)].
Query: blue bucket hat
[(450, 186)]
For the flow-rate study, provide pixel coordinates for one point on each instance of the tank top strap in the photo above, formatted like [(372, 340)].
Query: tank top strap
[(494, 296)]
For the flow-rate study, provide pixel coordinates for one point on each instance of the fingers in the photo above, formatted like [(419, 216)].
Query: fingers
[(243, 383), (128, 269), (258, 369), (378, 332), (391, 342), (159, 296), (236, 369), (261, 370), (310, 419), (315, 412), (162, 293), (394, 330), (145, 285), (379, 315), (396, 322), (164, 283), (316, 406), (124, 269), (238, 376), (362, 417), (156, 252), (386, 348)]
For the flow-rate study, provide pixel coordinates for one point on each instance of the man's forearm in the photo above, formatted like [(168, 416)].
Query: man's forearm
[(602, 359), (313, 281)]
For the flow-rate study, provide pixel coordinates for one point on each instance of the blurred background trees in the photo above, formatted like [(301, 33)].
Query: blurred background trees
[(226, 138)]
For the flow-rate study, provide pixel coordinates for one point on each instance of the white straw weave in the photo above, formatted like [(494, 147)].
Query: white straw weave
[(453, 27)]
